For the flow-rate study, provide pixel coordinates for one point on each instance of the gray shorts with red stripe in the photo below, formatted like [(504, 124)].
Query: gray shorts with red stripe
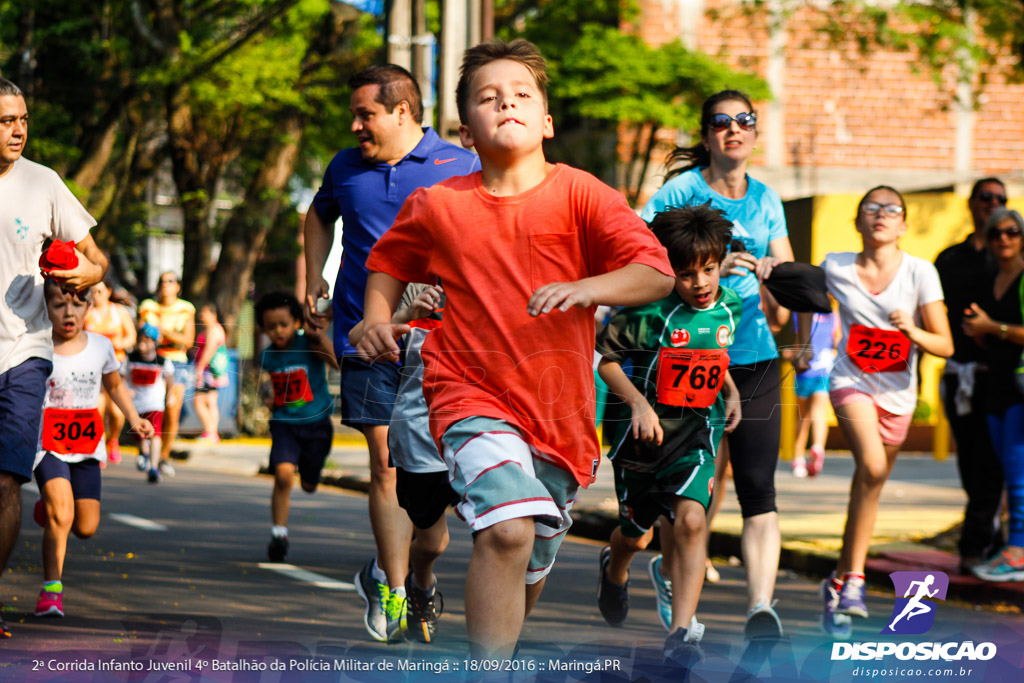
[(498, 476)]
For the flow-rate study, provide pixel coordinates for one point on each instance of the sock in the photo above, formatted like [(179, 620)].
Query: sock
[(278, 531), (853, 575), (377, 573), (400, 591), (836, 582), (53, 586), (428, 591)]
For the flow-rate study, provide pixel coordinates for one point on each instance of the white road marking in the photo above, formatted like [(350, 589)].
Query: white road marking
[(306, 576), (137, 522)]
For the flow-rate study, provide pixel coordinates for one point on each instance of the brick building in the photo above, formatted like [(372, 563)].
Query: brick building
[(844, 119)]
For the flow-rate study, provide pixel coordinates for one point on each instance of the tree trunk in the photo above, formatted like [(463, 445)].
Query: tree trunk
[(645, 163), (195, 169), (246, 230)]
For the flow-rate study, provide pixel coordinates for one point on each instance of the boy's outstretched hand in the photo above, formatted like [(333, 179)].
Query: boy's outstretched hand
[(378, 342), (560, 295)]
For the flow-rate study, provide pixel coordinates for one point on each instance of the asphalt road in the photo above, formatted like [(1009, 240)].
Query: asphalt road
[(183, 580)]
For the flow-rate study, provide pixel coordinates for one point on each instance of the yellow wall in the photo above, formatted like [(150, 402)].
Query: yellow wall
[(935, 221)]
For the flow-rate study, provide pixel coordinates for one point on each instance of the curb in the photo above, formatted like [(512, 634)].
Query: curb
[(597, 525)]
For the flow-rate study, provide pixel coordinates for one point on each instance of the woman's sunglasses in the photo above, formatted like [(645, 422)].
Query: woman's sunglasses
[(987, 196), (746, 120), (996, 233)]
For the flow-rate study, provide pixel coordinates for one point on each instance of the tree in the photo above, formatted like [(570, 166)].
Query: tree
[(971, 38), (224, 91), (607, 83)]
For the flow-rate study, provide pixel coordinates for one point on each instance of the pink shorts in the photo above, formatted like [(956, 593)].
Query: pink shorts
[(892, 428)]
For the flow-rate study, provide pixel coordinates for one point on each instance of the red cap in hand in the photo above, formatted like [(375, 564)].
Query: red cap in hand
[(60, 256)]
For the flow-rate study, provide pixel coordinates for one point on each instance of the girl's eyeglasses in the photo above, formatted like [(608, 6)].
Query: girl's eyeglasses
[(873, 208), (746, 120)]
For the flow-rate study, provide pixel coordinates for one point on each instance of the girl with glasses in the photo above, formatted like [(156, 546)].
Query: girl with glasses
[(996, 324), (890, 306), (715, 170)]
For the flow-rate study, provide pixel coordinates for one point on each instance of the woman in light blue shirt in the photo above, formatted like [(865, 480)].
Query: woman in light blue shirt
[(715, 171)]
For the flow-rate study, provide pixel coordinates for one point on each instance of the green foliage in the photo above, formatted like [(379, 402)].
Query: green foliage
[(611, 76), (960, 38), (604, 78)]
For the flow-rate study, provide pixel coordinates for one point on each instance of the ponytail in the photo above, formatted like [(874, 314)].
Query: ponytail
[(690, 158)]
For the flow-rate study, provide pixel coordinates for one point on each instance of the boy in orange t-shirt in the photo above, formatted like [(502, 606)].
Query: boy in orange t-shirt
[(525, 250)]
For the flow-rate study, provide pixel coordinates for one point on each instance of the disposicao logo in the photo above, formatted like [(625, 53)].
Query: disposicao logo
[(914, 613)]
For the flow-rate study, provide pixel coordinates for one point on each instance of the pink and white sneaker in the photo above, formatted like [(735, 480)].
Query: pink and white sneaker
[(50, 604), (799, 468), (817, 461), (114, 452)]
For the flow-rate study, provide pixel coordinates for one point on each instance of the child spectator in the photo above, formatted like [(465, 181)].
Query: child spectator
[(812, 396), (301, 432), (150, 378), (211, 371), (525, 250), (422, 477), (664, 457), (890, 304), (67, 466)]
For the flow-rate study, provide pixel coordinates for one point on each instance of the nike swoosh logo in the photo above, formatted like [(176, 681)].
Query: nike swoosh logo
[(438, 162)]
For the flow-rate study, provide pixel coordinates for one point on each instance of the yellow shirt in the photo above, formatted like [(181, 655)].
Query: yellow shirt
[(175, 316)]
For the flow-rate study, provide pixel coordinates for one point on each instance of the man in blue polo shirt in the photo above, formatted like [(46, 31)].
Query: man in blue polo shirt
[(366, 187)]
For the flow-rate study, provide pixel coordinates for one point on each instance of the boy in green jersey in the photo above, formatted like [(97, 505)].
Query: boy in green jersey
[(678, 391)]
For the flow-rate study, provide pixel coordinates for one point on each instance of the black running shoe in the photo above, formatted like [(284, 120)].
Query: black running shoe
[(278, 548), (682, 647), (423, 611), (5, 630), (612, 598)]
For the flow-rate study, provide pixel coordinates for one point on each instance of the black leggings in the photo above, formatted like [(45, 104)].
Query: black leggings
[(754, 446)]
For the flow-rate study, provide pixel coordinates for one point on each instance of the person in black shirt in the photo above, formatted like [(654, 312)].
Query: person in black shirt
[(997, 324), (967, 271)]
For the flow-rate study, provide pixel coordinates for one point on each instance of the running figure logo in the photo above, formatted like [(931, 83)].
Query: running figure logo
[(914, 613)]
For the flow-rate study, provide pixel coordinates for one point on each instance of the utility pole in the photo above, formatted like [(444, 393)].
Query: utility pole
[(399, 23), (486, 20), (423, 58)]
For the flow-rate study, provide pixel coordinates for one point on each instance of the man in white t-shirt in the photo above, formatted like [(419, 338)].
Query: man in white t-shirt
[(35, 205)]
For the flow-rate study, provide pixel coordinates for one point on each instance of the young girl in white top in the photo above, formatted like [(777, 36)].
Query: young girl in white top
[(890, 305), (67, 467)]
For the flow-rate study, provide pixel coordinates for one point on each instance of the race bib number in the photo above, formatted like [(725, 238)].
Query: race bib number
[(144, 376), (691, 377), (291, 388), (875, 350), (72, 431)]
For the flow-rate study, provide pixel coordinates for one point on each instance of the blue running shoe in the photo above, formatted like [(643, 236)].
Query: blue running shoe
[(851, 598), (1002, 567), (839, 626), (662, 592), (763, 622)]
